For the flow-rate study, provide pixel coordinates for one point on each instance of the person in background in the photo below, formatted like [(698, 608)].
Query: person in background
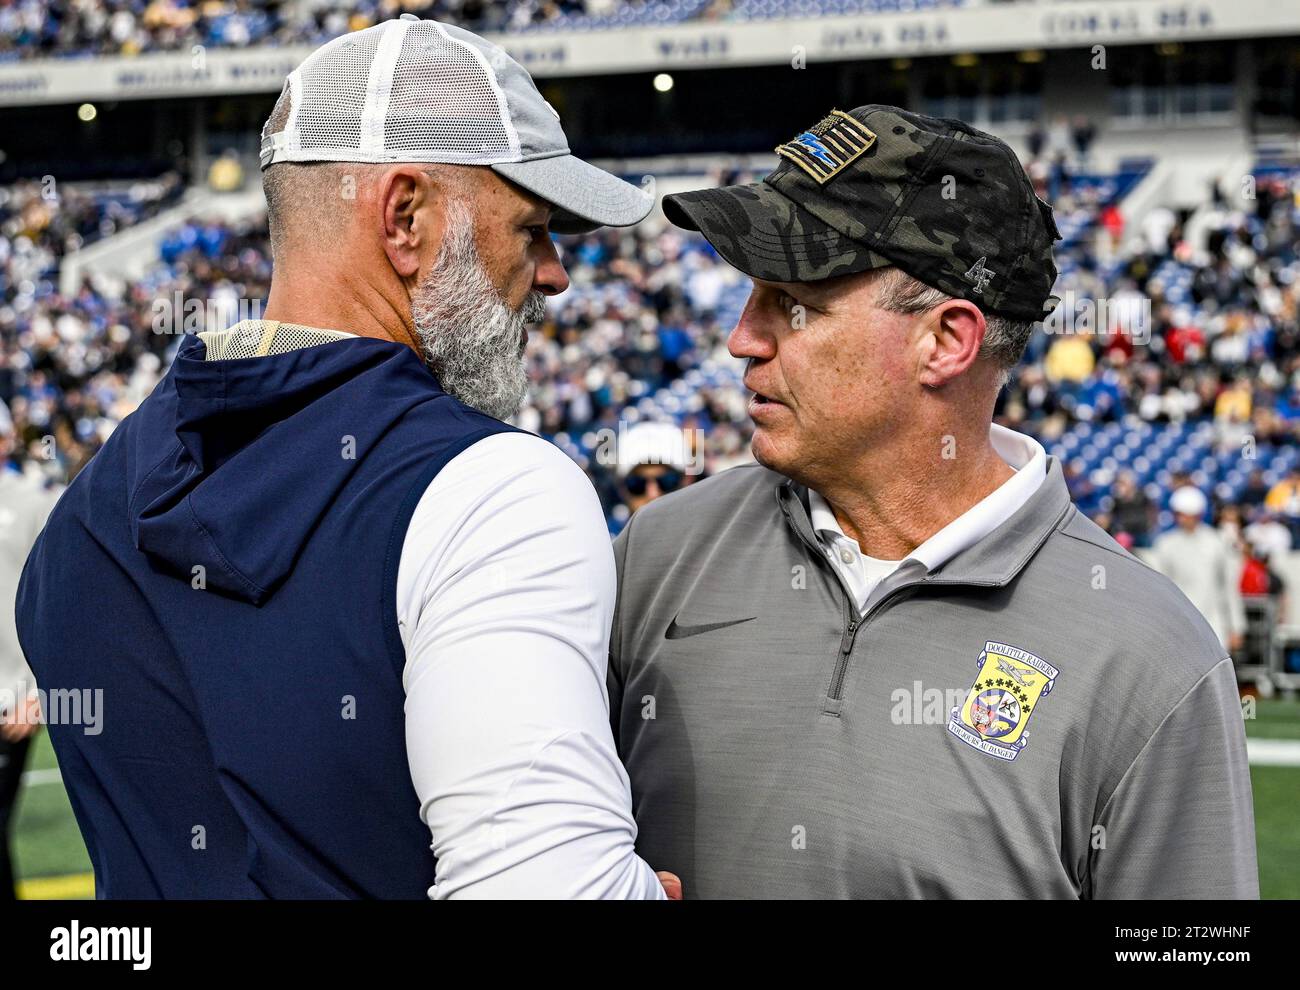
[(1257, 576), (1111, 229), (1228, 522), (1036, 140), (653, 460), (1070, 360), (1261, 582), (1269, 535), (1195, 558), (1256, 489), (1083, 132), (1284, 498), (24, 506), (1132, 512)]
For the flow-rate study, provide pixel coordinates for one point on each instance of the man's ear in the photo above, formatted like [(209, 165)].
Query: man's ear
[(411, 217), (952, 335)]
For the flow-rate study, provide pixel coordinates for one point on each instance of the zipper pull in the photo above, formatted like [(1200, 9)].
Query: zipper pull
[(846, 641)]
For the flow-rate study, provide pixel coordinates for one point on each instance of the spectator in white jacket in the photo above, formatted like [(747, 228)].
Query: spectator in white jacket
[(24, 504), (1197, 559)]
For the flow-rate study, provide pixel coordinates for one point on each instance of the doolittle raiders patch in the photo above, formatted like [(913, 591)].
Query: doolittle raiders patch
[(995, 717)]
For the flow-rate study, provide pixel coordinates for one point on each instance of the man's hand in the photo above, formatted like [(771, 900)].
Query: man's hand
[(672, 884), (1235, 642), (23, 721)]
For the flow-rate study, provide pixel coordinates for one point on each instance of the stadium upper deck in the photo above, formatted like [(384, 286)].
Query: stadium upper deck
[(172, 48), (53, 28)]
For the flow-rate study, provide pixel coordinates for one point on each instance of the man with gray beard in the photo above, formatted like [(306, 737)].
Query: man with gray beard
[(368, 618), (471, 337)]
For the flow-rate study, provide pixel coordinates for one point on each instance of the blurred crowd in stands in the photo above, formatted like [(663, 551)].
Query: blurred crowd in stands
[(1187, 334), (1193, 366), (73, 366), (70, 28), (40, 222), (44, 28), (643, 311)]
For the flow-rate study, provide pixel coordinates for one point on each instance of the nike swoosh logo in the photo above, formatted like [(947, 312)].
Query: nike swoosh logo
[(675, 631)]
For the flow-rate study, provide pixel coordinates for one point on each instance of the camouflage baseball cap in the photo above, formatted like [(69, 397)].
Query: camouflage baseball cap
[(946, 203)]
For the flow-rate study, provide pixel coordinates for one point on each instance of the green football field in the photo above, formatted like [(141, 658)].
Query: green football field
[(52, 861)]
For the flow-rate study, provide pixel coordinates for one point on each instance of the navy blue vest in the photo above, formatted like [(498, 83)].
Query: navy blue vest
[(224, 570)]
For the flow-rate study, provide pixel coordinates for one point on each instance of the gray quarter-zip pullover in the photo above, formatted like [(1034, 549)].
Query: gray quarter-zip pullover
[(1042, 716)]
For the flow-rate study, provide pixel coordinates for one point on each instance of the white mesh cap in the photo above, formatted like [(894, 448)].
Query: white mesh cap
[(410, 90)]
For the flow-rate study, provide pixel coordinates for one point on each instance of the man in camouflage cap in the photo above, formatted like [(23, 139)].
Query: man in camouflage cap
[(946, 203), (826, 668)]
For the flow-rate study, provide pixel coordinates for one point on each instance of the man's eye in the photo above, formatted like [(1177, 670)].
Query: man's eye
[(538, 230)]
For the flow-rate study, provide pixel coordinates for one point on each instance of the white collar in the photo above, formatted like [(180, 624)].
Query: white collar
[(1021, 452)]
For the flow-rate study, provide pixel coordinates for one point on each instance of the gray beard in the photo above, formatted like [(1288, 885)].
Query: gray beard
[(472, 340)]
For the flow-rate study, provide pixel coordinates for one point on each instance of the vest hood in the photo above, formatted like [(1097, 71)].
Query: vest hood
[(260, 448)]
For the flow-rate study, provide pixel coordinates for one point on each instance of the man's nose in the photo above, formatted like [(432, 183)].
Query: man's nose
[(549, 277), (749, 339)]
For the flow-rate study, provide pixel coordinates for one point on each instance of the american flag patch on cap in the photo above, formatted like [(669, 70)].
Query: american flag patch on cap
[(826, 148)]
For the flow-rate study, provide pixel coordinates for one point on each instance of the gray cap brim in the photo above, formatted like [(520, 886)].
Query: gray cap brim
[(585, 197)]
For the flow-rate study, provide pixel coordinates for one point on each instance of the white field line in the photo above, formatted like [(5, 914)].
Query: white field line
[(1261, 752), (1274, 752)]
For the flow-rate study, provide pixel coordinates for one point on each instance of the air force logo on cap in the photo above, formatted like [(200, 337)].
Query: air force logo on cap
[(827, 148), (979, 274)]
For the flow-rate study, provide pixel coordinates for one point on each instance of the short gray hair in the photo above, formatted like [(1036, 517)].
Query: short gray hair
[(1005, 339), (305, 193), (314, 196)]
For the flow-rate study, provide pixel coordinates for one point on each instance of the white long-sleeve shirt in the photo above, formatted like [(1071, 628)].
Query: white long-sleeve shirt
[(505, 592)]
